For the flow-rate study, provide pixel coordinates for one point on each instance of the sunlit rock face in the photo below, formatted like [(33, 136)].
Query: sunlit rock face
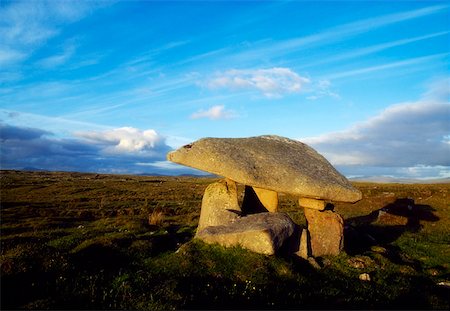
[(262, 233), (269, 162)]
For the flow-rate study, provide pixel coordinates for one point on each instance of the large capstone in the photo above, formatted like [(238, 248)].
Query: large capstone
[(269, 162)]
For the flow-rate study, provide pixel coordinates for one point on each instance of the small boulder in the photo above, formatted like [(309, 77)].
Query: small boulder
[(364, 277), (326, 231), (262, 233), (219, 204), (388, 219)]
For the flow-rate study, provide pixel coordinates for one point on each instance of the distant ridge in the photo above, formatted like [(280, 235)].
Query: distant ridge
[(178, 175), (387, 179), (374, 179)]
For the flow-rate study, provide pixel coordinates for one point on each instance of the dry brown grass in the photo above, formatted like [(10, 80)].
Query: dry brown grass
[(156, 218)]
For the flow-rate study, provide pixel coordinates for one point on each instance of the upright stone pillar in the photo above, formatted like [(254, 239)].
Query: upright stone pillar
[(219, 205), (326, 230)]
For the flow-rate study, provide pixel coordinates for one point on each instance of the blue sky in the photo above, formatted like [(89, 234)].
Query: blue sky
[(112, 86)]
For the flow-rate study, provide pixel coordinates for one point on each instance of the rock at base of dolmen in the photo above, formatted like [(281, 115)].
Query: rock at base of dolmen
[(219, 204), (326, 232), (304, 247), (262, 233)]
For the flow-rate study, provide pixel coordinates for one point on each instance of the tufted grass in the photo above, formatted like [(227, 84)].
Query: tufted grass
[(87, 241)]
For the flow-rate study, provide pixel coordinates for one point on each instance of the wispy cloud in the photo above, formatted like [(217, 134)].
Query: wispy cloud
[(8, 56), (272, 82), (403, 63), (59, 59), (321, 89), (53, 124), (214, 113), (26, 25), (273, 49), (374, 49)]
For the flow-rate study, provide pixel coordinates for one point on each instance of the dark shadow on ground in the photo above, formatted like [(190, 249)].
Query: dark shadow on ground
[(386, 225)]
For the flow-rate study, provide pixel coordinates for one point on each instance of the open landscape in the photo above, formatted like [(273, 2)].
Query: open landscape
[(186, 155), (93, 241)]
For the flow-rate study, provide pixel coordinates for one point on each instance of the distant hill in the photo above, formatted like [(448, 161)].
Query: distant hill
[(387, 179), (375, 179)]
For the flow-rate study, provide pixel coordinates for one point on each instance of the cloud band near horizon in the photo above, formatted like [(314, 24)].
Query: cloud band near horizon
[(409, 140)]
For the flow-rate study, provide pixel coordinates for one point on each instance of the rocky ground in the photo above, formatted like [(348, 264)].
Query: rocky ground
[(89, 241)]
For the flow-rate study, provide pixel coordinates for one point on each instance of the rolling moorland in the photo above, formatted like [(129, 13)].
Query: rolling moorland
[(90, 241)]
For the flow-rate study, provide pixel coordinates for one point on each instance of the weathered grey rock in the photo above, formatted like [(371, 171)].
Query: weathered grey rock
[(269, 162), (262, 233), (219, 204), (326, 231)]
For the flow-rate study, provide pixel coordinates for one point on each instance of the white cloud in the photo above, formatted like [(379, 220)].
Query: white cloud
[(122, 150), (322, 88), (403, 135), (427, 171), (161, 164), (272, 82), (214, 113), (126, 140)]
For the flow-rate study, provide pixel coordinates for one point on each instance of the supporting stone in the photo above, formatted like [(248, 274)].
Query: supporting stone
[(251, 203), (312, 203), (326, 231), (268, 198), (303, 250), (219, 204), (262, 233)]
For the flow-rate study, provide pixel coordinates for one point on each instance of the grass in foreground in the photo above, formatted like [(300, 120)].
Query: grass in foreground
[(86, 241)]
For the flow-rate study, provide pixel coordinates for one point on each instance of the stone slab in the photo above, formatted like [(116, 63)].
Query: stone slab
[(312, 203), (262, 233), (269, 162)]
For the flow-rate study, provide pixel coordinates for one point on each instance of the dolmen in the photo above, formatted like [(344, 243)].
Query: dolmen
[(268, 165)]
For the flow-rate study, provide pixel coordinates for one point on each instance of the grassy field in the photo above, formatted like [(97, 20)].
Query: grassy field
[(87, 241)]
